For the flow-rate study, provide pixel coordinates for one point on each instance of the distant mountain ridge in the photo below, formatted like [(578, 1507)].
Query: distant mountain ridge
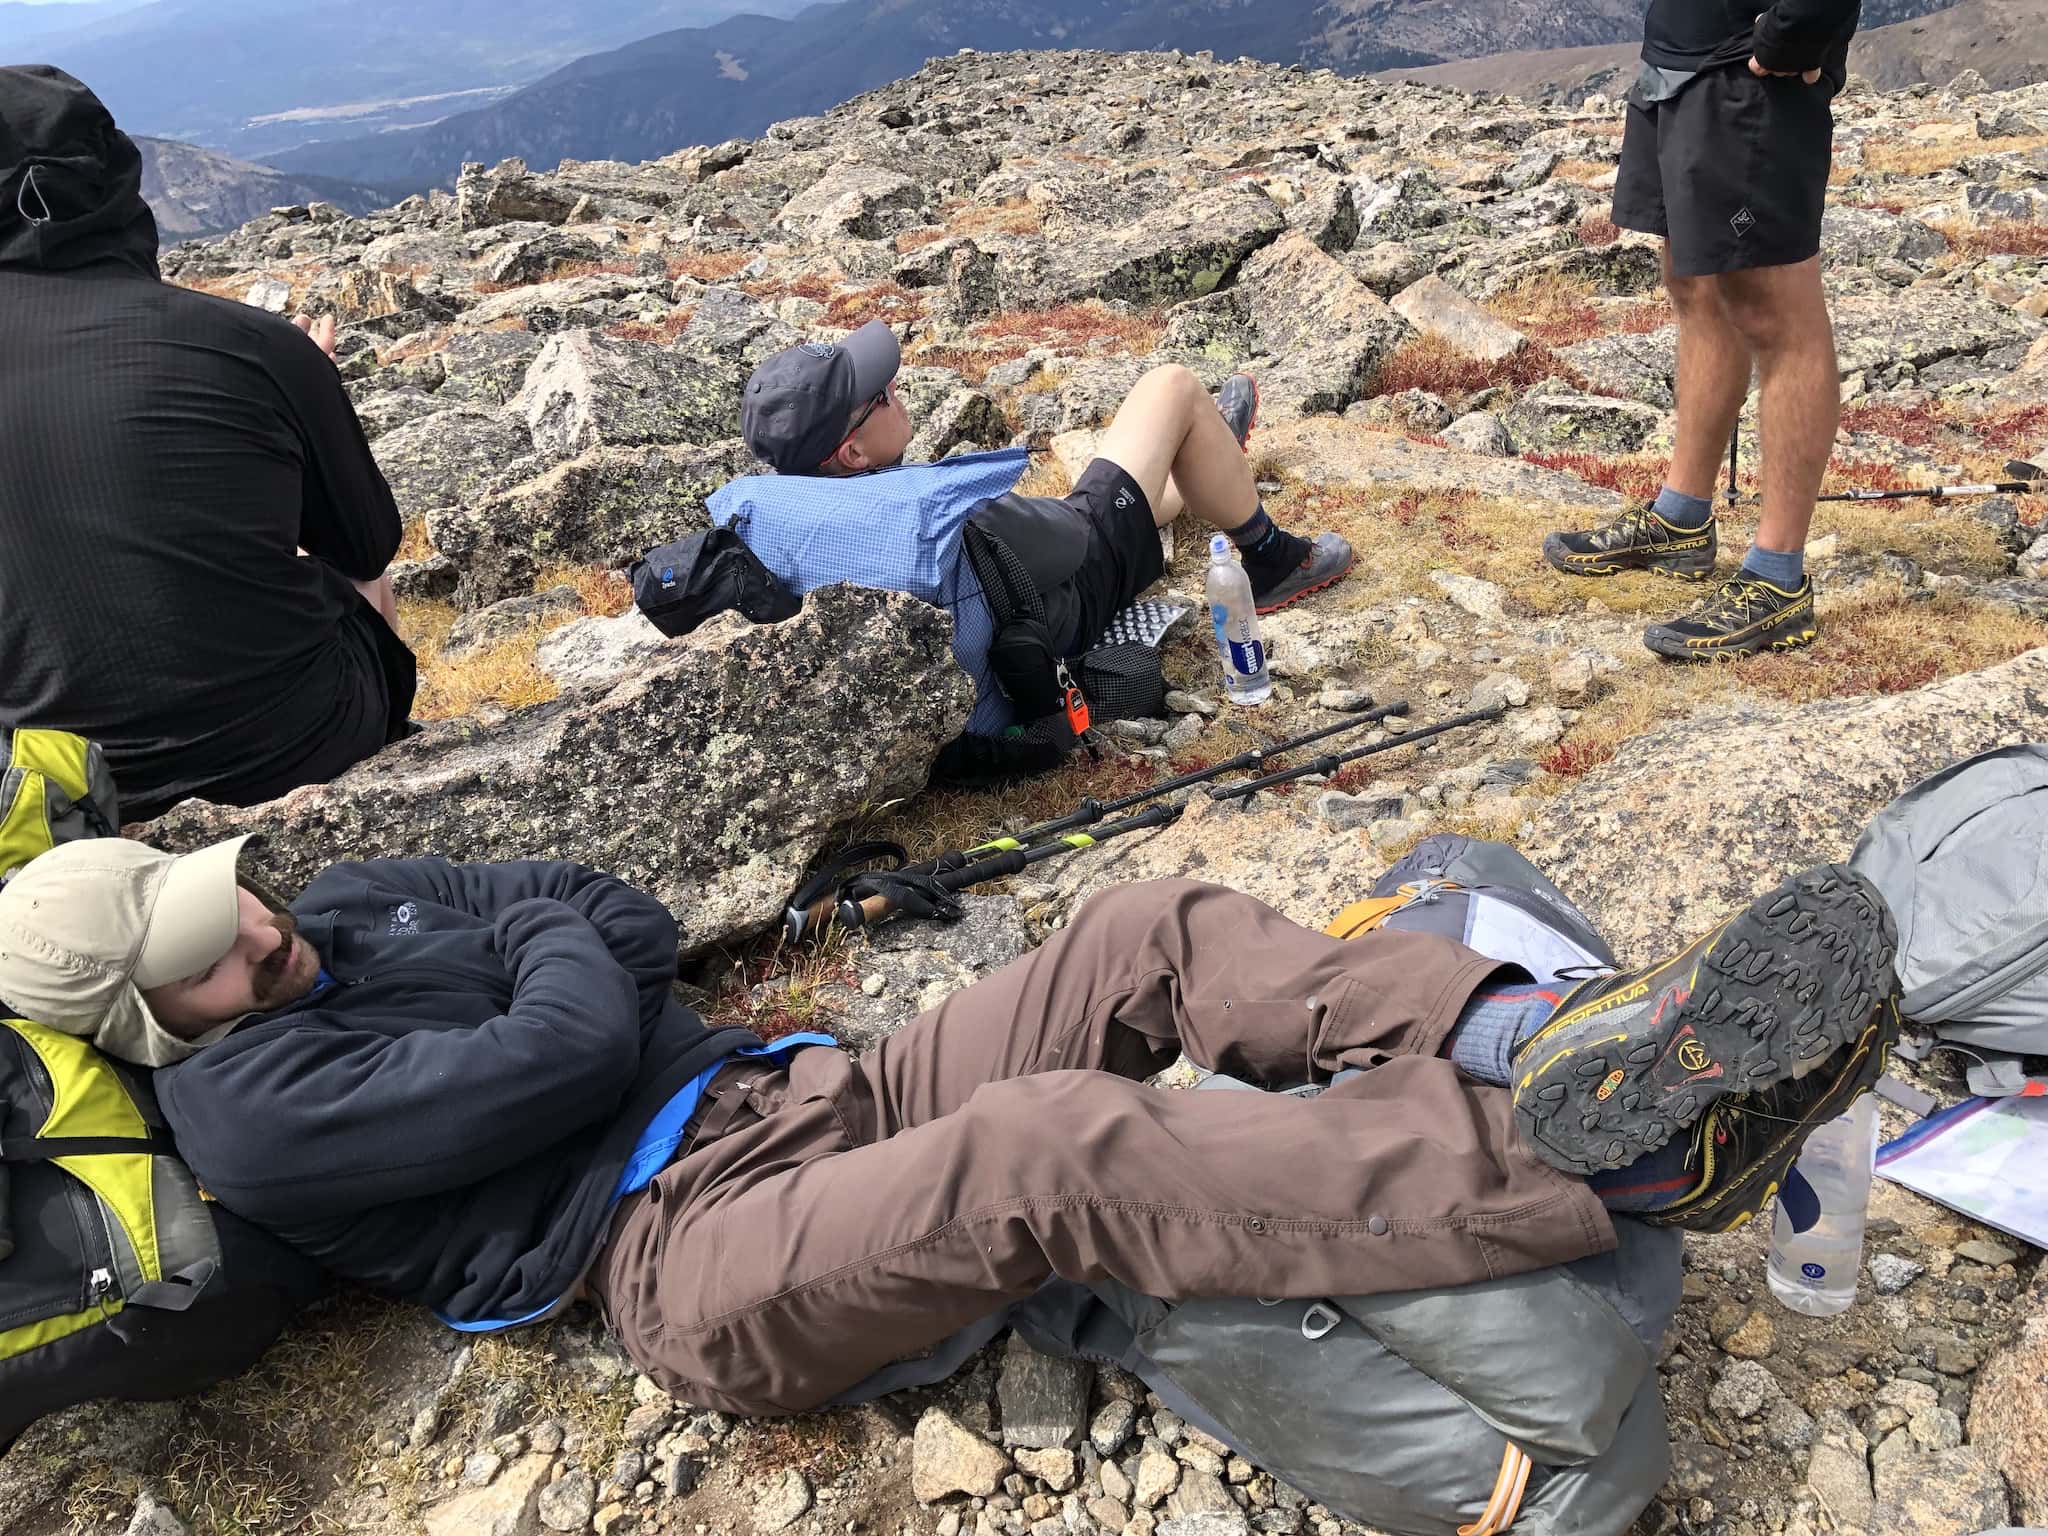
[(194, 191), (704, 85), (2006, 41), (253, 77)]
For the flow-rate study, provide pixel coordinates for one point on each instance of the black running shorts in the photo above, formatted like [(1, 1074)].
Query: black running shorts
[(1732, 171), (1123, 556)]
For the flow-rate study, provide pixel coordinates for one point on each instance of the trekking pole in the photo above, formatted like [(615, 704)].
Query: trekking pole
[(1944, 492), (810, 909), (1330, 762), (1734, 439), (1091, 810), (862, 912)]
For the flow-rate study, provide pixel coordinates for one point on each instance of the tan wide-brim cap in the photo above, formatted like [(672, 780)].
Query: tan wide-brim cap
[(89, 924)]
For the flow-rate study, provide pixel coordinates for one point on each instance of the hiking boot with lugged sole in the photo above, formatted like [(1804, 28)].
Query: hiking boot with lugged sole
[(1638, 540), (1238, 400), (1743, 1147), (1630, 1060), (1328, 561), (1746, 616)]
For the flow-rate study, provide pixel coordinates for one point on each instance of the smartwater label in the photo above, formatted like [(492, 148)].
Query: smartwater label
[(1247, 657)]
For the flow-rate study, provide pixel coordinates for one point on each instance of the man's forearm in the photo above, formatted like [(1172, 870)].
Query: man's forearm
[(1797, 34)]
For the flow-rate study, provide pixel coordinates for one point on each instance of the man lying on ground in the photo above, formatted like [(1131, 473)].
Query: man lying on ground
[(824, 413), (165, 457), (471, 1086), (1726, 156)]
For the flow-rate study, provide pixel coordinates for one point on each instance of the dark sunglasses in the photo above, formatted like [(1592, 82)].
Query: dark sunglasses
[(860, 421)]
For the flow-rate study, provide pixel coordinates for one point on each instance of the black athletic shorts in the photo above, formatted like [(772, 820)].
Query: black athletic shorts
[(1732, 171), (1123, 557)]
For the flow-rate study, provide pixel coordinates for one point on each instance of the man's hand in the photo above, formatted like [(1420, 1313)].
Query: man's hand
[(1810, 76), (322, 330)]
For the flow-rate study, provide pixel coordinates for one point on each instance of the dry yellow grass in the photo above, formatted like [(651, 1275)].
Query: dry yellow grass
[(504, 674), (604, 592), (1872, 639), (708, 266), (1895, 157), (1585, 172), (1015, 217), (417, 543)]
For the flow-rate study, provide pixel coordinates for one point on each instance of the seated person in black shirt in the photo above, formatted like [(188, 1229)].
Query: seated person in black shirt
[(167, 456)]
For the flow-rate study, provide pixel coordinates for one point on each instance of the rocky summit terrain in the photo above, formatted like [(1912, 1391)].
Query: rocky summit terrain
[(1458, 352)]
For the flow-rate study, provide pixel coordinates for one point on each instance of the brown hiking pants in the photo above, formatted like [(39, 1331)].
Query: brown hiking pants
[(843, 1214)]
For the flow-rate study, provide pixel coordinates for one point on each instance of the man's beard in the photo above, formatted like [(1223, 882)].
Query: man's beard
[(273, 984)]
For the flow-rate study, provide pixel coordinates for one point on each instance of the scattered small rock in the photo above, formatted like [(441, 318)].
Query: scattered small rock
[(948, 1457), (568, 1503), (1890, 1273), (786, 1501), (1109, 1429), (1044, 1400)]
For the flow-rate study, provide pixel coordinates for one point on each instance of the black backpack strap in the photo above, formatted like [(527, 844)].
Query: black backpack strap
[(43, 1149), (174, 1293)]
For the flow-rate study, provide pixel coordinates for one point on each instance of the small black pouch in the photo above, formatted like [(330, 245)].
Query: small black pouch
[(680, 585)]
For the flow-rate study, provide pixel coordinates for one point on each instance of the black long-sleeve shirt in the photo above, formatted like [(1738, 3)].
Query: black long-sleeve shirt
[(1790, 35), (163, 454)]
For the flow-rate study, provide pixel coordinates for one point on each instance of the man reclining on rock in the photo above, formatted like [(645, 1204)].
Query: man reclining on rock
[(471, 1086), (165, 457), (822, 413)]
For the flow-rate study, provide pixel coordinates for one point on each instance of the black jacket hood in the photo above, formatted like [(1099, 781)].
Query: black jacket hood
[(70, 181)]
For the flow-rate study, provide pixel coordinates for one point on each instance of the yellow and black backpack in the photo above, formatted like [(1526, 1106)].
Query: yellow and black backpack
[(118, 1277)]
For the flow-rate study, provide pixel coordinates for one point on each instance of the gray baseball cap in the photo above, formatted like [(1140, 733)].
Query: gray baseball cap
[(798, 403)]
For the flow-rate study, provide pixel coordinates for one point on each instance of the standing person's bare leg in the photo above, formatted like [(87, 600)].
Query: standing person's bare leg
[(1782, 313), (1674, 534), (1170, 439), (1714, 362)]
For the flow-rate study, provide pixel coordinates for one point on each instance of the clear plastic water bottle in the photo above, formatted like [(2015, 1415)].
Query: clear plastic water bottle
[(1236, 619), (1815, 1271)]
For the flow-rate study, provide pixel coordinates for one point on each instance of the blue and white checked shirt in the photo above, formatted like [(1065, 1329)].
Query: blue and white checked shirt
[(897, 529)]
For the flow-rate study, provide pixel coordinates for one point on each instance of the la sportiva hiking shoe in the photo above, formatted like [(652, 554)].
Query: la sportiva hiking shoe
[(1636, 540), (1743, 1147), (1747, 615), (1238, 400), (1630, 1060), (1328, 561)]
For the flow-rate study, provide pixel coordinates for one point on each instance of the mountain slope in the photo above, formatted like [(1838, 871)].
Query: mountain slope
[(194, 191), (703, 85), (2004, 40), (244, 75)]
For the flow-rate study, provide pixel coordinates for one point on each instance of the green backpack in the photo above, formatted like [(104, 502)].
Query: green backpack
[(118, 1277)]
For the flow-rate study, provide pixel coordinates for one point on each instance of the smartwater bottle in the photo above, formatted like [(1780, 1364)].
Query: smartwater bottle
[(1815, 1271), (1236, 619)]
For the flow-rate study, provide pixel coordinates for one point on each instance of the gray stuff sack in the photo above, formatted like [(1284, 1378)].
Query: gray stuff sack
[(1962, 860)]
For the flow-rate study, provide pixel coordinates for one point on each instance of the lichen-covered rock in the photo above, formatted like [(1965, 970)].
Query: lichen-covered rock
[(1782, 789), (863, 202), (1586, 423), (585, 390), (710, 775), (445, 459), (1437, 309), (1326, 332), (1182, 249), (2009, 1411), (506, 193), (606, 507)]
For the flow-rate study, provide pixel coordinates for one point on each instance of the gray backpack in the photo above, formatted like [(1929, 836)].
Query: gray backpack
[(1962, 860), (1528, 1405)]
